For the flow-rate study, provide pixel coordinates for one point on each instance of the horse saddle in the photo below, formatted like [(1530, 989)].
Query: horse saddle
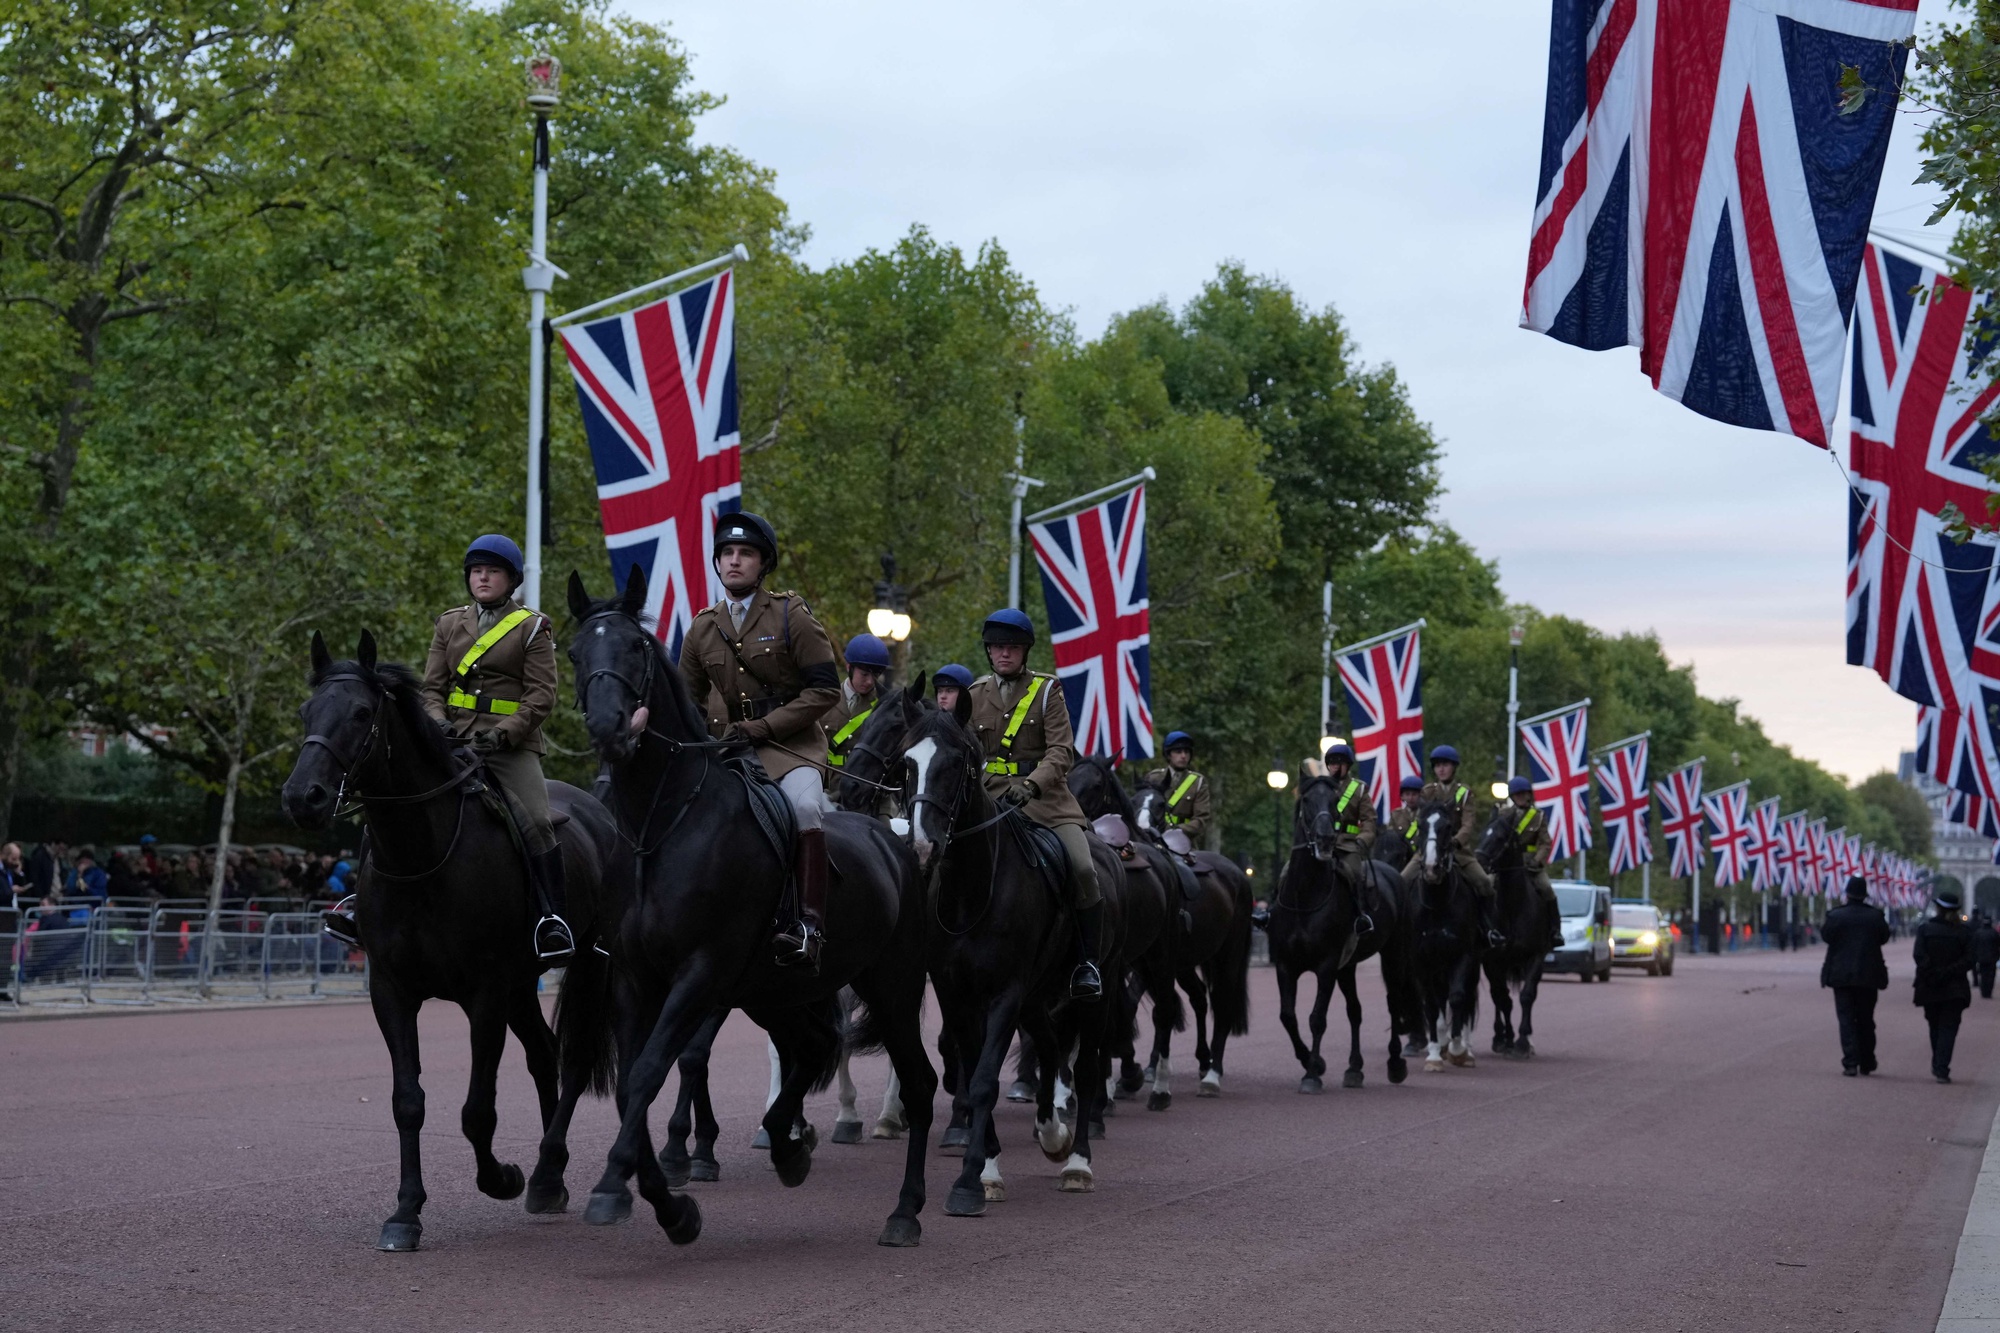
[(1118, 837), (1044, 851), (769, 805)]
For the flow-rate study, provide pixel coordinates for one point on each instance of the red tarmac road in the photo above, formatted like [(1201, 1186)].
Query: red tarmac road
[(1683, 1154)]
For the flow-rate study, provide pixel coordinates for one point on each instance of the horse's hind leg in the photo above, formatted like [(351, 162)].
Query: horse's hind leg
[(988, 1042), (1503, 1011), (1351, 993), (398, 1020), (1162, 1094), (1197, 992), (1529, 990), (546, 1192), (804, 1045), (894, 1122), (479, 1118), (904, 1040), (693, 1112)]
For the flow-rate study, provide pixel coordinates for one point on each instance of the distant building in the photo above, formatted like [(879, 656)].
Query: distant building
[(1965, 860)]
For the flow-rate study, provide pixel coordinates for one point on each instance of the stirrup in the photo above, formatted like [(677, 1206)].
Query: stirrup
[(1086, 982), (799, 946), (1494, 939), (553, 942), (1364, 924), (337, 923)]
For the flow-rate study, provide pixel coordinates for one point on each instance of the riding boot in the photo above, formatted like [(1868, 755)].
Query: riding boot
[(1085, 983), (798, 945), (338, 922), (553, 941)]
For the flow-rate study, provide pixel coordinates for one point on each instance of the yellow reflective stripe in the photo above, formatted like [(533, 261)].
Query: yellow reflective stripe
[(491, 637), (479, 703), (1526, 820), (1006, 767), (1180, 791), (1353, 786), (835, 756), (1020, 713)]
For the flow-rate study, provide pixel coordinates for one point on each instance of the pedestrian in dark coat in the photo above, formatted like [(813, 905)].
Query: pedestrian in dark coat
[(1985, 953), (1944, 978), (1856, 973)]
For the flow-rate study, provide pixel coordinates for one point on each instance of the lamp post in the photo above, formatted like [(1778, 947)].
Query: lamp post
[(1515, 633), (544, 92), (889, 618), (1327, 628), (1277, 779)]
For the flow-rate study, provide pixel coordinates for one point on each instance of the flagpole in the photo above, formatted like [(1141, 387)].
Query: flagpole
[(1325, 664), (1019, 483), (738, 254), (1379, 638), (1515, 633), (1564, 711), (544, 77), (1144, 474)]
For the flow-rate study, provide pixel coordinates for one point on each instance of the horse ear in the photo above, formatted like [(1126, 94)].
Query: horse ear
[(961, 708), (321, 658), (919, 686), (579, 598), (635, 591), (364, 653)]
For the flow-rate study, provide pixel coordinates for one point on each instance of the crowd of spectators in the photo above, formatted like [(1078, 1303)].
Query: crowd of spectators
[(53, 874)]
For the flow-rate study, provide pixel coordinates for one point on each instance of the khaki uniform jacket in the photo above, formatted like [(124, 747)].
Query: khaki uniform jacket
[(1358, 811), (845, 709), (521, 668), (1534, 836), (1401, 820), (1044, 747), (1466, 841), (788, 686), (1194, 812)]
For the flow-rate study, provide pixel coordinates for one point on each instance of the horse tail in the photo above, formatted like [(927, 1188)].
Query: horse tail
[(583, 1024), (862, 1032), (824, 1017), (1229, 981)]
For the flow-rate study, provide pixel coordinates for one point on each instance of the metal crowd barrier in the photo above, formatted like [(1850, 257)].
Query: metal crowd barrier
[(124, 953)]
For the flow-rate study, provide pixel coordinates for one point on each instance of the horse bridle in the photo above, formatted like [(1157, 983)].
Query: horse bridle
[(347, 767)]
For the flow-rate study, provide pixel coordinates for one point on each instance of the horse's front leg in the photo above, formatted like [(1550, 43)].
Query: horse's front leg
[(686, 1007), (1161, 1095), (1351, 993), (1196, 991), (546, 1191), (480, 1116), (1464, 993), (1503, 1010), (397, 1018), (1529, 990), (982, 1089)]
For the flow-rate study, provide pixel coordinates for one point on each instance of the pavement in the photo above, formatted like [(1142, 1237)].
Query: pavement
[(1682, 1154)]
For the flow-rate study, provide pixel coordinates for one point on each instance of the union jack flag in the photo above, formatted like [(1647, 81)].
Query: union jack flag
[(1559, 766), (1794, 853), (1843, 853), (1093, 567), (1680, 818), (1728, 810), (1385, 709), (1760, 850), (1819, 856), (1920, 606), (1703, 199), (1622, 804), (657, 386)]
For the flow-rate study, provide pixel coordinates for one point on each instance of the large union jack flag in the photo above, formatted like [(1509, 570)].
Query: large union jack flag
[(1679, 795), (1819, 857), (1728, 811), (1094, 580), (1794, 853), (1385, 710), (1623, 805), (1702, 198), (658, 390), (1559, 766)]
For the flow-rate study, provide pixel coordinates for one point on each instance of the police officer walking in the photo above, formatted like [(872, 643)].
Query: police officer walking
[(1855, 972), (1944, 978), (762, 667), (1023, 727), (1189, 806)]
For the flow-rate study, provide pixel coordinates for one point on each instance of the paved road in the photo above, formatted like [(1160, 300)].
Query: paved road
[(1682, 1155)]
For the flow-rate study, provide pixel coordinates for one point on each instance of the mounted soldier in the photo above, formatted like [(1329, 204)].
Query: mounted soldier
[(1354, 824), (490, 682), (762, 668), (867, 662), (1403, 819), (1444, 789), (1189, 806), (950, 681), (1022, 723), (1531, 827)]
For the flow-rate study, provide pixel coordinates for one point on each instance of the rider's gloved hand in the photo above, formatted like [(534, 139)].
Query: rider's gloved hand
[(486, 742), (755, 730), (1023, 791)]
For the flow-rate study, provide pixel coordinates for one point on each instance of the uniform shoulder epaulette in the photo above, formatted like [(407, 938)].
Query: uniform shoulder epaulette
[(789, 594), (983, 679)]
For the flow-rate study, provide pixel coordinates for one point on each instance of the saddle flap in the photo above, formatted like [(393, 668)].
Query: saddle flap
[(1177, 843), (1045, 850), (1113, 830)]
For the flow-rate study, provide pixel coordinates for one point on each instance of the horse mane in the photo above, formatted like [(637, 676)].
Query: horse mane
[(688, 712), (1120, 798), (404, 689)]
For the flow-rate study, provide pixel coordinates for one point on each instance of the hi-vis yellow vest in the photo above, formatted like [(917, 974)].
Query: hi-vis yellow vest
[(479, 703)]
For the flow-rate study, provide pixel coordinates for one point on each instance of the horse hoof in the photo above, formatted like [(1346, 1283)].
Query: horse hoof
[(1433, 1065), (1125, 1090), (1110, 1108), (1316, 1066), (1399, 1069), (995, 1190), (400, 1236), (1077, 1180), (676, 1169), (1310, 1084), (1097, 1131), (688, 1228), (807, 1133), (555, 1200), (704, 1170), (1054, 1139), (604, 1209), (889, 1129), (1463, 1059), (847, 1131), (901, 1232), (953, 1140), (963, 1202), (1159, 1101), (1501, 1046), (761, 1140), (1022, 1091), (1210, 1085), (1522, 1048), (1352, 1078), (793, 1169)]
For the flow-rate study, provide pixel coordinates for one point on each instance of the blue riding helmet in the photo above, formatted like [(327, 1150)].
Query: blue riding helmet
[(1443, 754), (1177, 740), (1343, 752), (865, 650), (1008, 625), (1518, 785), (956, 674), (496, 549), (1411, 782)]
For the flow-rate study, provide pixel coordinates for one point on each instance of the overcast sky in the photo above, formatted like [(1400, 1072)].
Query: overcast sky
[(1120, 151)]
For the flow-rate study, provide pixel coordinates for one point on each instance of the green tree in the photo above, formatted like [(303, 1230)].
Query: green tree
[(1908, 825)]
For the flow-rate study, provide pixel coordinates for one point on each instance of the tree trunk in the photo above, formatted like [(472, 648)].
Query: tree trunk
[(215, 881)]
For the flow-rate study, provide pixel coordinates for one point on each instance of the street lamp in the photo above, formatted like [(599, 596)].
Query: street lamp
[(1515, 633), (1277, 780), (1325, 743), (889, 618), (544, 73)]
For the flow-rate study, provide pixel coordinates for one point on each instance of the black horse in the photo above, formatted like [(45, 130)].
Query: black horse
[(1528, 923), (1211, 943), (1450, 942), (1326, 924), (711, 877), (1003, 945), (444, 912)]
